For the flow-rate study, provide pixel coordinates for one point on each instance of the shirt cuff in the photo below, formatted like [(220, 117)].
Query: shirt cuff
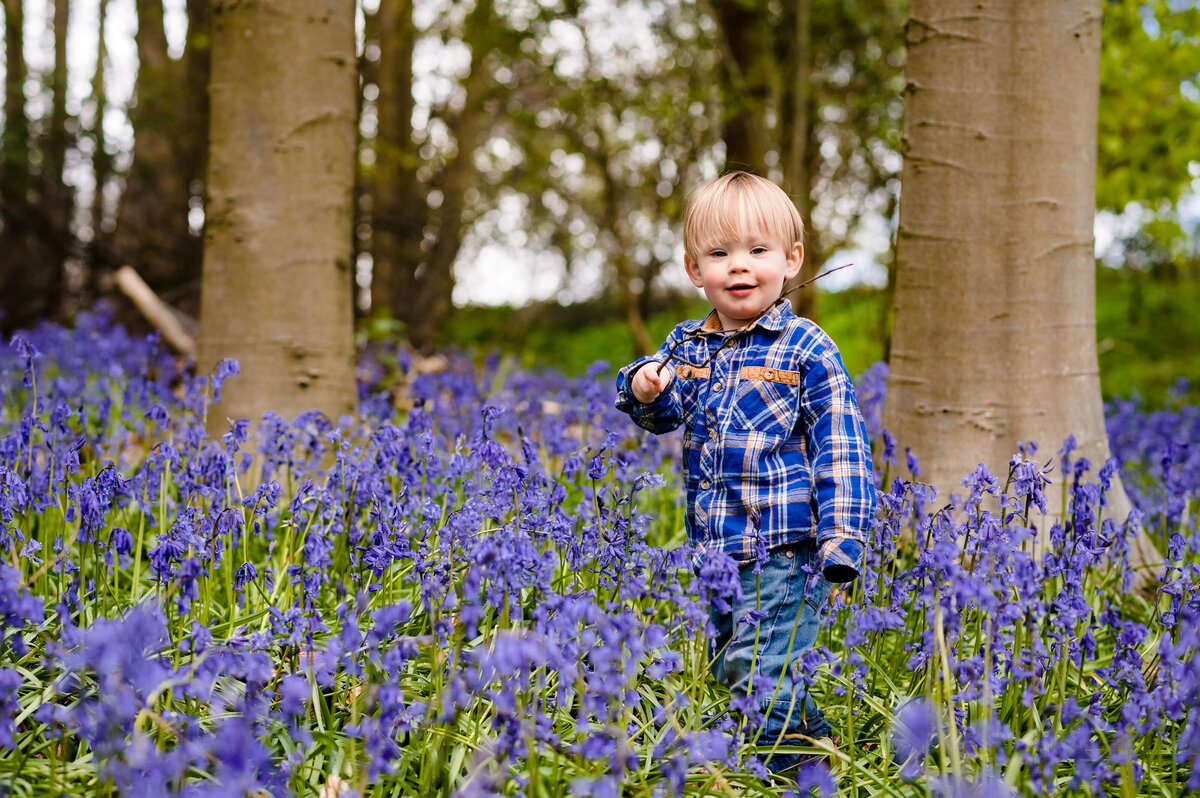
[(839, 558)]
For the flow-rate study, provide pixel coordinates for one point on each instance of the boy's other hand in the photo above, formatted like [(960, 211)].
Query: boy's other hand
[(648, 383), (839, 574)]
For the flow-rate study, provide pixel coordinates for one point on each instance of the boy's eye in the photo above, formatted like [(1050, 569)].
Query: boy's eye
[(717, 253), (758, 250)]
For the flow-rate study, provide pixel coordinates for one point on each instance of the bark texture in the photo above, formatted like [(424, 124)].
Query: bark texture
[(276, 284), (995, 327)]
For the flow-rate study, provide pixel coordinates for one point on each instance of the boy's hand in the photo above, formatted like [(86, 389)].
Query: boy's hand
[(648, 383)]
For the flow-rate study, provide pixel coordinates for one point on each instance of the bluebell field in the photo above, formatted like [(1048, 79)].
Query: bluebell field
[(480, 586)]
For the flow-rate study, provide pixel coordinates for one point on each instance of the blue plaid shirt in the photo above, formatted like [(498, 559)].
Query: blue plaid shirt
[(774, 443)]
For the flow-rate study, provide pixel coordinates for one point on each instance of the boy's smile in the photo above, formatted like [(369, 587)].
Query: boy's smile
[(743, 278)]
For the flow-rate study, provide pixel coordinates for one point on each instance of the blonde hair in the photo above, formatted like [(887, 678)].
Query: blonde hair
[(737, 204)]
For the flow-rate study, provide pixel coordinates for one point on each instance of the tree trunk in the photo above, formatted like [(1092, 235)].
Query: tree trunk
[(33, 244), (14, 174), (797, 144), (152, 231), (766, 70), (192, 135), (399, 209), (276, 288), (995, 328), (56, 199), (747, 47), (428, 304), (102, 162)]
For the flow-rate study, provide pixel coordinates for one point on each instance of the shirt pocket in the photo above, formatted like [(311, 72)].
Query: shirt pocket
[(691, 382), (766, 400)]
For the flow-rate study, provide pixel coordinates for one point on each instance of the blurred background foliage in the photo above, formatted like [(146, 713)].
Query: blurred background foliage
[(563, 136)]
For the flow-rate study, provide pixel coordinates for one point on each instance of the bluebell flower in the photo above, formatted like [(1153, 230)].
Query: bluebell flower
[(718, 578), (914, 465), (10, 682), (246, 572), (294, 692), (815, 780), (121, 540), (30, 549), (914, 729), (225, 369), (19, 608)]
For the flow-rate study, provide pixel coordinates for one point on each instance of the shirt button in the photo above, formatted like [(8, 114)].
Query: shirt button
[(705, 484), (718, 386)]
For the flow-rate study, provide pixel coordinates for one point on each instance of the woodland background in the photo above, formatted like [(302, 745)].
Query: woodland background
[(568, 134), (358, 569)]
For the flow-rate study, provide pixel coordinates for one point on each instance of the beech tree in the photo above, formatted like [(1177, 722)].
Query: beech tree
[(995, 328), (276, 292)]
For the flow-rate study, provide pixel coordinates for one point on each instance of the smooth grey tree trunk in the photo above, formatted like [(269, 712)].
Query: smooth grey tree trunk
[(995, 325), (276, 290)]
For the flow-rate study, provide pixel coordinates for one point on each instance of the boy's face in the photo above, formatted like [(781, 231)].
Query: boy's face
[(743, 277)]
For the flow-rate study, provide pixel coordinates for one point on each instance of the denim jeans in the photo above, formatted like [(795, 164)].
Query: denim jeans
[(792, 600)]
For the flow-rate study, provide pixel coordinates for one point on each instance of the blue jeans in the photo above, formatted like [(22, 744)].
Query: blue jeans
[(792, 601)]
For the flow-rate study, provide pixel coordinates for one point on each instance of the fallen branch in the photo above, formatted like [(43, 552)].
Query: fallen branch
[(165, 319)]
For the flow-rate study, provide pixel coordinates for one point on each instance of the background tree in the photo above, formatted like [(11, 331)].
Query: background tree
[(995, 333), (276, 287), (426, 187), (102, 160), (809, 94), (1149, 130), (14, 179), (607, 162), (1149, 136), (56, 198), (170, 122), (35, 202)]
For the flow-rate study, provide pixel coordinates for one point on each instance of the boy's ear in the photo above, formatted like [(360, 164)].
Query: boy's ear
[(693, 271), (795, 260)]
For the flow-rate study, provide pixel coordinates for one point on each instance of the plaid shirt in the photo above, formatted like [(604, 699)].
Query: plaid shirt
[(774, 443)]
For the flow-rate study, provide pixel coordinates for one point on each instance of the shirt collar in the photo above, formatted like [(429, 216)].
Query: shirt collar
[(774, 319)]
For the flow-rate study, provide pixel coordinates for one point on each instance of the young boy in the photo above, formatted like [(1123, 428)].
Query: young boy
[(777, 462)]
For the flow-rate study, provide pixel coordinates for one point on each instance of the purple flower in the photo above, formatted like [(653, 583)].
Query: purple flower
[(121, 540), (10, 682), (294, 692), (914, 728), (719, 580), (815, 780), (18, 608), (225, 369), (246, 572)]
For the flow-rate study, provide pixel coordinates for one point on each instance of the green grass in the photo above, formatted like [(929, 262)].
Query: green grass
[(1148, 332), (572, 339)]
